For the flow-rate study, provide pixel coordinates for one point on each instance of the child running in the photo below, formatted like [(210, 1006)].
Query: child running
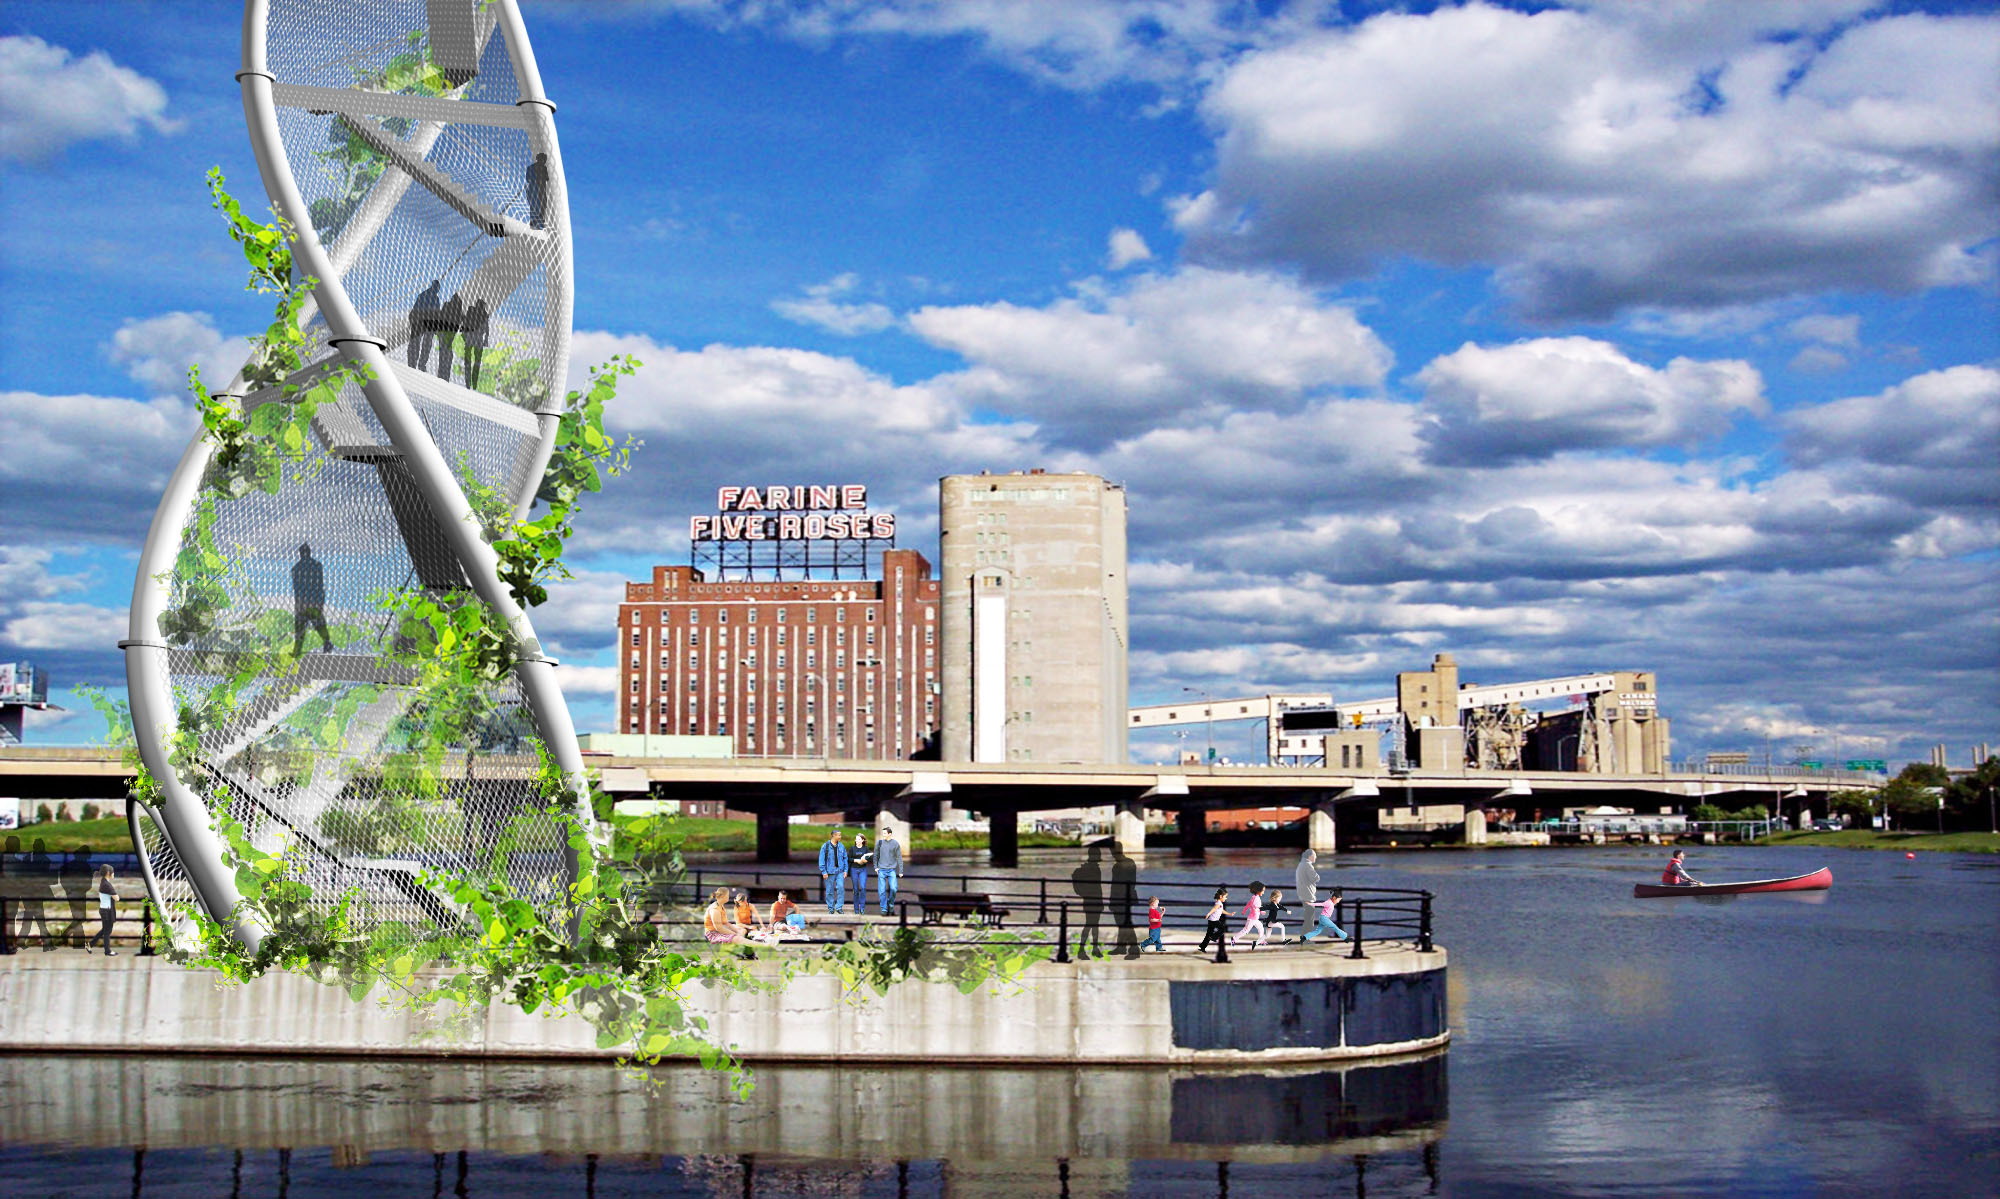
[(1218, 920), (1325, 908), (1253, 918)]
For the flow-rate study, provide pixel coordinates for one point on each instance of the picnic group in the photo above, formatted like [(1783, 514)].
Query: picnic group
[(732, 917)]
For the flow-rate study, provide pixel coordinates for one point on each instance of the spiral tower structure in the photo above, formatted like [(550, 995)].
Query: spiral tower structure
[(411, 147)]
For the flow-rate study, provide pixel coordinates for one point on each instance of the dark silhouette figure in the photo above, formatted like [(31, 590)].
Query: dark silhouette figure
[(309, 601), (450, 317), (1124, 884), (423, 325), (35, 905), (474, 328), (75, 880), (538, 192), (1089, 882)]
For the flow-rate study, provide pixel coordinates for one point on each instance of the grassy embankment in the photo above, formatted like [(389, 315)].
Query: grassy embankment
[(698, 834), (1862, 838)]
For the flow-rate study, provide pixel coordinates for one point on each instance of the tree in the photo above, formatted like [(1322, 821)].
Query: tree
[(1969, 800), (1908, 800), (1925, 774), (1857, 806)]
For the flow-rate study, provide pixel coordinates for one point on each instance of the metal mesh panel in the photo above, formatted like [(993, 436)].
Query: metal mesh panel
[(166, 877), (439, 204)]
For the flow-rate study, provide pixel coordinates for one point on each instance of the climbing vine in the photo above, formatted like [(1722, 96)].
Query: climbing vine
[(540, 940)]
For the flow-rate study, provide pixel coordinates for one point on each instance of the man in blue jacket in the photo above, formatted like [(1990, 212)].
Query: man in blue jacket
[(833, 871)]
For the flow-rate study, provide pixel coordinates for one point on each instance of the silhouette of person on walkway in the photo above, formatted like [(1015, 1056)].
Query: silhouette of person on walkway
[(474, 328), (1124, 885), (309, 601), (423, 325), (538, 192), (450, 317), (35, 905), (1088, 880), (76, 880)]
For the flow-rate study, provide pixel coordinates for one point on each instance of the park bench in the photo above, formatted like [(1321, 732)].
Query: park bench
[(968, 904)]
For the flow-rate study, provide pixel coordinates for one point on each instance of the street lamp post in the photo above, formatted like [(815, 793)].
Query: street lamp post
[(1208, 709)]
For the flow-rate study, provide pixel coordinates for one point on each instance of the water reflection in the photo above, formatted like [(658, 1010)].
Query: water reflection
[(321, 1127)]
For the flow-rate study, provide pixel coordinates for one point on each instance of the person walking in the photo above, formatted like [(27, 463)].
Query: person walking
[(833, 872), (1274, 916), (1253, 917), (1218, 921), (858, 858), (309, 602), (888, 869), (423, 325), (1154, 918), (1305, 879), (450, 317), (107, 909), (474, 329)]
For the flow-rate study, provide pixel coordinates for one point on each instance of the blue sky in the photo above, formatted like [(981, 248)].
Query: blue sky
[(1563, 338)]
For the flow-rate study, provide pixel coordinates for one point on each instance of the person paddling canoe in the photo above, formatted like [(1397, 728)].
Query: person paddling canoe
[(1676, 875)]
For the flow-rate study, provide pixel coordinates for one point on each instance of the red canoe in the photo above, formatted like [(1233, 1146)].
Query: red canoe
[(1818, 880)]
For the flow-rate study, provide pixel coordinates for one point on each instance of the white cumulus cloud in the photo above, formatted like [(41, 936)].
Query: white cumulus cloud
[(50, 99), (1195, 340), (1612, 160), (1534, 399), (1125, 248)]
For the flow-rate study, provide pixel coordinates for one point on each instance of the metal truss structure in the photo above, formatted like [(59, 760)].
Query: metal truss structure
[(778, 560), (411, 147)]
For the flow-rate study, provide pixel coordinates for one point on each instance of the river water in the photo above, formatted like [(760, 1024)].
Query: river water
[(1832, 1044)]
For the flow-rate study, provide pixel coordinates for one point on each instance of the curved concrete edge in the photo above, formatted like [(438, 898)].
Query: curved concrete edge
[(1107, 1013)]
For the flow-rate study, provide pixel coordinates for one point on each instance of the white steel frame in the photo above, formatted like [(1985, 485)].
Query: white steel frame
[(183, 816)]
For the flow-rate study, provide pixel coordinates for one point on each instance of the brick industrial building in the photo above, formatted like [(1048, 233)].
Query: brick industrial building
[(842, 668)]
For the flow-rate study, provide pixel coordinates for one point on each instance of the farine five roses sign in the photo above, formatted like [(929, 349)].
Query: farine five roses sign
[(798, 513)]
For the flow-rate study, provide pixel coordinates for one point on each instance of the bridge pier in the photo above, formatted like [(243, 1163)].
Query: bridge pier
[(1003, 836), (1128, 825), (774, 835), (1193, 824), (1320, 836), (893, 816)]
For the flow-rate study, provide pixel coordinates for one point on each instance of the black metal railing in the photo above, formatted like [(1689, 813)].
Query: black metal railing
[(1074, 918), (53, 923)]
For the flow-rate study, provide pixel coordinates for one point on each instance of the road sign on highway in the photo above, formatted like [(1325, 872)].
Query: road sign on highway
[(1875, 764), (1812, 763)]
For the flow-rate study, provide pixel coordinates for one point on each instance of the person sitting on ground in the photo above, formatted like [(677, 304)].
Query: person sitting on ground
[(786, 920), (1218, 920), (716, 924), (1253, 917), (1153, 920), (745, 916), (1327, 906), (1274, 915), (1676, 874)]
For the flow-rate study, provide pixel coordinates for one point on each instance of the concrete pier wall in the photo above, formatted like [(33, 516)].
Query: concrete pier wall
[(1320, 1008)]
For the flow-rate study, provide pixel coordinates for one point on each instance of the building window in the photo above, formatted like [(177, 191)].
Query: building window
[(722, 616), (870, 612), (752, 618), (781, 619), (664, 661), (781, 636), (693, 685), (635, 686), (840, 615), (694, 661), (753, 637), (812, 636), (840, 637), (694, 615), (694, 637), (781, 659), (812, 659), (812, 615), (930, 656), (930, 636), (840, 683), (663, 686), (871, 636), (840, 660), (635, 639)]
